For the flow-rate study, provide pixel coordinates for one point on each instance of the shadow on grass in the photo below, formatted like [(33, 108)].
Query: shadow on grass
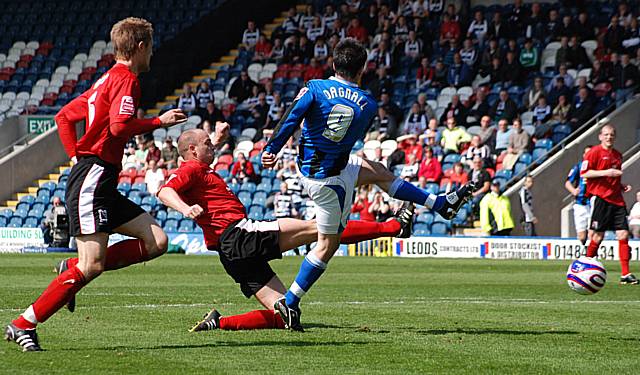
[(231, 344), (489, 331)]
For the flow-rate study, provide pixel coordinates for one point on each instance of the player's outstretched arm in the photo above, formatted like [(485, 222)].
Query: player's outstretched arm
[(287, 126), (221, 134), (170, 198)]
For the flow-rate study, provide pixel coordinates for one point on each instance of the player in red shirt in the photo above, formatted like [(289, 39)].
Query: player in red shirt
[(95, 207), (602, 167), (246, 246)]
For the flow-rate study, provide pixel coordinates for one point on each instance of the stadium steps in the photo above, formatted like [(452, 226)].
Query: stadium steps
[(33, 189), (212, 70)]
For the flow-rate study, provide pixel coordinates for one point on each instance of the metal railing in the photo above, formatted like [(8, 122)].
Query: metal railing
[(22, 141)]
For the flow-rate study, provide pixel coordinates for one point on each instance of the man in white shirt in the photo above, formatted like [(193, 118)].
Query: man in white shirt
[(154, 177)]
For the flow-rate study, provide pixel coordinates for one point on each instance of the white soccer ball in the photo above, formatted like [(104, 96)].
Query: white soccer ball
[(586, 276)]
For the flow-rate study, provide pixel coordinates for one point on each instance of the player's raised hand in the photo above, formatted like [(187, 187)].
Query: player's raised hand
[(626, 188), (193, 211), (269, 160), (222, 130), (172, 117)]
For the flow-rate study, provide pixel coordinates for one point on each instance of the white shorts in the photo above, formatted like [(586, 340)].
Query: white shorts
[(333, 197), (581, 215)]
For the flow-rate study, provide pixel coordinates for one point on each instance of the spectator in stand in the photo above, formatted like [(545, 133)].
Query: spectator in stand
[(153, 153), (552, 28), (380, 208), (530, 98), (561, 111), (449, 30), (431, 143), (380, 56), (277, 51), (578, 55), (262, 49), (306, 49), (582, 109), (381, 82), (541, 116), (495, 213), (242, 87), (412, 49), (476, 148), (169, 153), (558, 89), (566, 27), (519, 142), (486, 133), (306, 19), (212, 113), (529, 219), (495, 72), (141, 155), (383, 127), (577, 186), (357, 31), (469, 55), (598, 73), (478, 28), (529, 59), (328, 68), (614, 35), (320, 50), (625, 79), (416, 121), (631, 37), (430, 168), (410, 169), (409, 146), (362, 206), (242, 170), (153, 177), (425, 108), (260, 111), (290, 24), (316, 30), (455, 109), (392, 107), (129, 158), (511, 71), (582, 83), (187, 101), (584, 28), (203, 96), (459, 74), (562, 73), (491, 51), (283, 203), (502, 137), (482, 179), (535, 23), (479, 108), (250, 35), (440, 75), (453, 137), (504, 107), (457, 177), (329, 17), (634, 218), (314, 71), (401, 29), (288, 153), (563, 53), (497, 29), (425, 74)]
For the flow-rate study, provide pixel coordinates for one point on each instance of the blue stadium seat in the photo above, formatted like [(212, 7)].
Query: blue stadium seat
[(23, 206), (124, 187), (525, 158), (354, 216), (173, 214), (161, 215), (224, 173), (15, 222), (7, 213), (539, 154), (452, 158), (425, 218), (256, 208), (269, 215), (264, 186), (504, 173), (248, 187), (544, 143), (3, 221), (246, 201), (255, 215), (461, 218), (28, 199), (421, 230), (519, 169), (439, 229), (501, 180), (186, 225), (235, 187), (150, 200), (140, 186), (30, 222)]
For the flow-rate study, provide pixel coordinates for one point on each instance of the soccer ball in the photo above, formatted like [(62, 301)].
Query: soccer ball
[(586, 276)]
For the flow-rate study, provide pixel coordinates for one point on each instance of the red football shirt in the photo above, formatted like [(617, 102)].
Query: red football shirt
[(196, 183), (607, 188), (108, 107)]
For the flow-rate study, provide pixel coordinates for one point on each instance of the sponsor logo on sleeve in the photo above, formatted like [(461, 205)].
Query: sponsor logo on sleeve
[(126, 106), (584, 165)]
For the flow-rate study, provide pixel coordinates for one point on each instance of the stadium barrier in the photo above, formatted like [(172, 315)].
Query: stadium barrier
[(30, 240)]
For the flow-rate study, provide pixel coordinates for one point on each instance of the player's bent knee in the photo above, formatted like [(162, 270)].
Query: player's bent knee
[(157, 245)]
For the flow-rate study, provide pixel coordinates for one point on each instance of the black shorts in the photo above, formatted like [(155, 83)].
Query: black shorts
[(93, 201), (606, 216), (246, 247)]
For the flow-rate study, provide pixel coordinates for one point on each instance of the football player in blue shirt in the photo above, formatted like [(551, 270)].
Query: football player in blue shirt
[(577, 186), (336, 113)]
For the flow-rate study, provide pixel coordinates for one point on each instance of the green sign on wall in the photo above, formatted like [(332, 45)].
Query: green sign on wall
[(39, 125)]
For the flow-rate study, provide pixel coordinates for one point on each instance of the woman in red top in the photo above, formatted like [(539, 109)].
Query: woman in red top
[(262, 49), (430, 168), (450, 30), (363, 206)]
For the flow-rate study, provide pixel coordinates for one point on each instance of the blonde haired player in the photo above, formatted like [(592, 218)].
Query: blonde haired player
[(95, 206)]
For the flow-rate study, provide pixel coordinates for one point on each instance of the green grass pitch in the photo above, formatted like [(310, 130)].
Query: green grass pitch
[(366, 315)]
